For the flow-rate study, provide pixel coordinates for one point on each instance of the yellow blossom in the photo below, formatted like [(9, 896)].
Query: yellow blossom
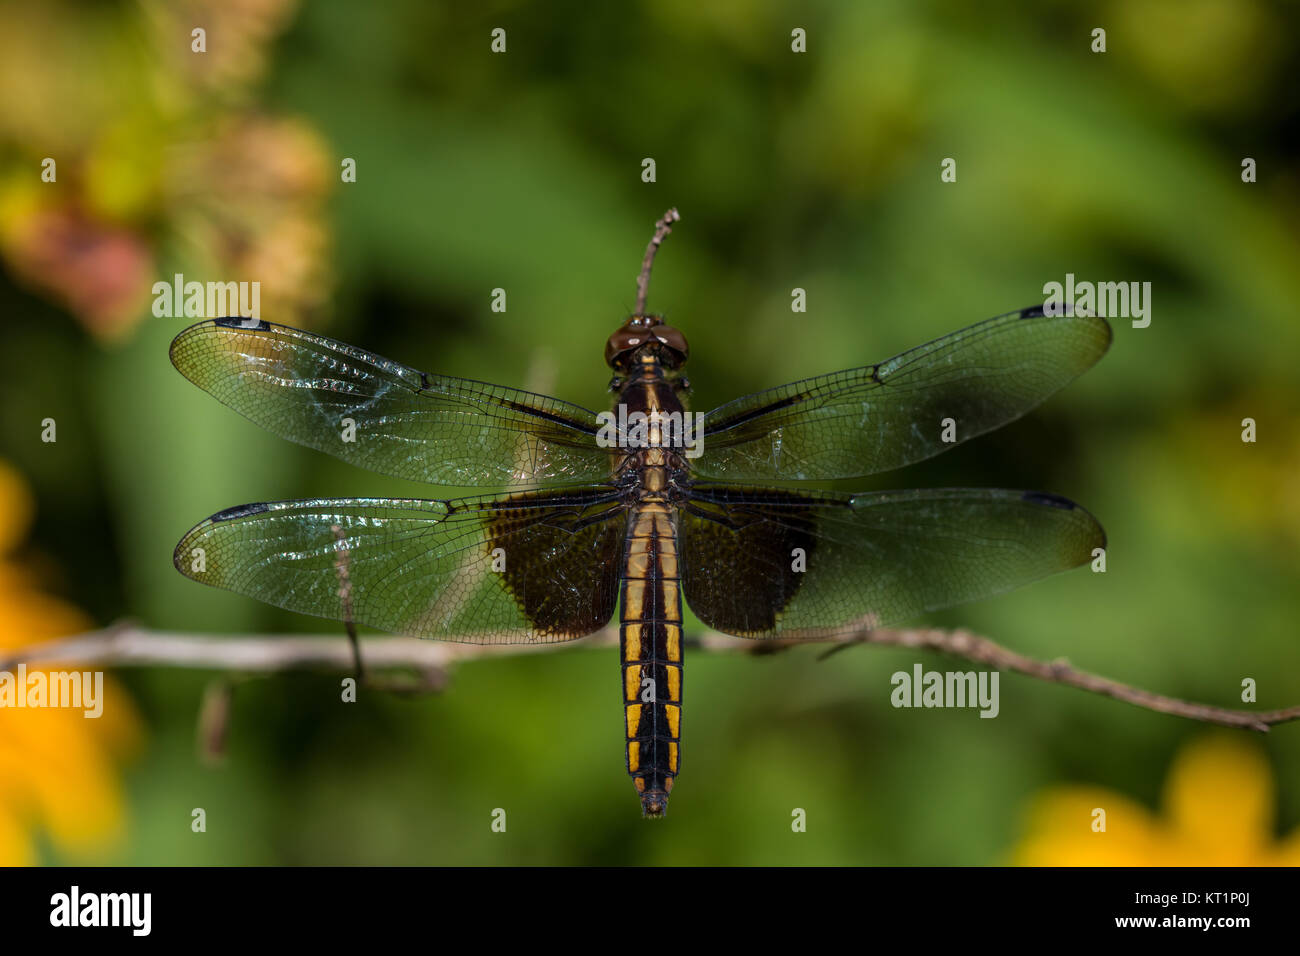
[(58, 768), (1218, 809)]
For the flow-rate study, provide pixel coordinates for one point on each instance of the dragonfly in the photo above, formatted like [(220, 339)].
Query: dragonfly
[(641, 508)]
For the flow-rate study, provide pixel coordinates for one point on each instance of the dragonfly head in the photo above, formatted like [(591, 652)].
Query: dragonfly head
[(646, 332)]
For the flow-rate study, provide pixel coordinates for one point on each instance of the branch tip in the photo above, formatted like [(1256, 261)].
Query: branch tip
[(662, 228)]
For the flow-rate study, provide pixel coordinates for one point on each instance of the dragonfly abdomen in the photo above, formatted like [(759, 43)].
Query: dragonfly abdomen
[(650, 640)]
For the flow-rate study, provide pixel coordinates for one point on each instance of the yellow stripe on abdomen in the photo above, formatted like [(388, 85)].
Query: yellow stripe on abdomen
[(651, 647)]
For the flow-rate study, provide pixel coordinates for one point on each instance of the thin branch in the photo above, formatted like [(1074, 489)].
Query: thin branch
[(134, 647), (662, 228), (130, 646), (981, 650)]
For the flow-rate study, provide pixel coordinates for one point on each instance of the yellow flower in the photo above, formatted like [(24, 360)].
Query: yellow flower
[(58, 768), (1218, 810)]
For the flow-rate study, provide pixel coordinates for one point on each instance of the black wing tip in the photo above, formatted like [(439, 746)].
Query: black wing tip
[(242, 322), (240, 511), (1068, 311), (1060, 309), (229, 514), (224, 322), (1049, 500)]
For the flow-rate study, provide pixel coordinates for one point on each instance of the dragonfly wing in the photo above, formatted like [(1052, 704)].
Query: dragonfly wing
[(527, 567), (866, 420), (771, 563), (386, 417)]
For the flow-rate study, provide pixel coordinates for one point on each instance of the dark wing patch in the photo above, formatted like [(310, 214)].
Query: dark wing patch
[(563, 572), (879, 558), (736, 557), (529, 567)]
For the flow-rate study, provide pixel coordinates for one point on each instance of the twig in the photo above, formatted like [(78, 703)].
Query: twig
[(129, 646), (981, 650), (662, 228)]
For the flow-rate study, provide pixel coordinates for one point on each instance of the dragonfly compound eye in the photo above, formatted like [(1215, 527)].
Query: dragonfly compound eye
[(626, 340), (677, 351)]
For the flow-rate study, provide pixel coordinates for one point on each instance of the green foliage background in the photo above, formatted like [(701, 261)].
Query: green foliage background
[(820, 171)]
